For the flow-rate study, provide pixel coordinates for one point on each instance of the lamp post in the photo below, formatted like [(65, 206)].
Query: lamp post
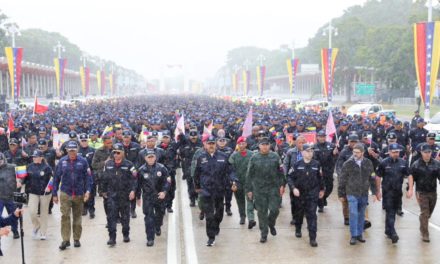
[(12, 30), (58, 48), (330, 30)]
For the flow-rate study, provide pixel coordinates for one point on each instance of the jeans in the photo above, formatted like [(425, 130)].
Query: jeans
[(357, 206)]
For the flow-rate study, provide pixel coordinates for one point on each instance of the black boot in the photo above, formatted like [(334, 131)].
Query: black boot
[(251, 224)]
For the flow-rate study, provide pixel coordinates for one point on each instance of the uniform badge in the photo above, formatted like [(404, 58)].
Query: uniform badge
[(159, 174), (41, 173), (146, 175)]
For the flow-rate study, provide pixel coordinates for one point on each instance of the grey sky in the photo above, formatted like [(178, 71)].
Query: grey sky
[(145, 35)]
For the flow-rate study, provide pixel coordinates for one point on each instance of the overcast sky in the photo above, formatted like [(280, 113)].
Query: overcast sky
[(144, 35)]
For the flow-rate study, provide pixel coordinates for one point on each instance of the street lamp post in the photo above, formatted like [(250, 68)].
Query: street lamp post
[(261, 59), (12, 30), (330, 30), (58, 48)]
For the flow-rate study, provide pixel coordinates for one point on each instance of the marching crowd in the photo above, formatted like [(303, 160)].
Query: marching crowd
[(127, 151)]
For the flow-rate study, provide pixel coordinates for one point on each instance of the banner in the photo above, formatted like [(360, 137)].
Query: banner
[(84, 73), (246, 81), (328, 60), (60, 65), (427, 58), (102, 86), (100, 76), (261, 73), (110, 81), (14, 57), (292, 69)]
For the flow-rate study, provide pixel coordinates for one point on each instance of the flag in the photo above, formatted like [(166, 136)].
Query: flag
[(261, 73), (180, 125), (328, 60), (14, 57), (38, 108), (330, 129), (60, 65), (108, 130), (50, 184), (247, 126), (11, 126), (21, 172), (292, 69), (207, 131), (310, 137), (427, 58)]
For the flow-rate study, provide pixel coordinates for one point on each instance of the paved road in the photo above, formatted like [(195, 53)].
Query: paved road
[(183, 240)]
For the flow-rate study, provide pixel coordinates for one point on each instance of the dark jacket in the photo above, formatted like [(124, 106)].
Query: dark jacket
[(212, 174), (119, 179), (151, 181), (132, 151), (75, 176), (38, 178), (392, 173), (426, 175), (324, 154), (8, 183), (355, 180), (307, 178)]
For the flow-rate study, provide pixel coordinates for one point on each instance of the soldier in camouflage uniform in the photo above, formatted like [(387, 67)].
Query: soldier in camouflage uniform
[(265, 185), (239, 161)]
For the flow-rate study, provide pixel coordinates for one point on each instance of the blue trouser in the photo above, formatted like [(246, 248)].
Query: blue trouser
[(118, 209), (10, 208), (357, 206), (391, 203), (153, 210)]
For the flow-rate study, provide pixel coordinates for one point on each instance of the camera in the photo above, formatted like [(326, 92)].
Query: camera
[(20, 198)]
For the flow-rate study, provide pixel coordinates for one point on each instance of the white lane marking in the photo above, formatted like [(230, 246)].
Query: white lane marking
[(436, 227), (173, 252), (190, 247)]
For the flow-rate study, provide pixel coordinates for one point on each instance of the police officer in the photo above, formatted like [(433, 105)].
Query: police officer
[(391, 173), (265, 185), (424, 172), (418, 134), (87, 152), (293, 156), (153, 184), (50, 156), (239, 161), (101, 156), (326, 153), (170, 149), (37, 183), (119, 184), (430, 141), (308, 186), (131, 151), (391, 138), (211, 178), (222, 147), (15, 155), (187, 150), (151, 145)]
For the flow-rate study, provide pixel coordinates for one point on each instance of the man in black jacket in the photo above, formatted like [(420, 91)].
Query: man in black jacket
[(211, 178), (425, 172)]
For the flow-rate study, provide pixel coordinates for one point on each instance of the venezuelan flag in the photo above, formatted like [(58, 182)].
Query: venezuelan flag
[(21, 172), (328, 60)]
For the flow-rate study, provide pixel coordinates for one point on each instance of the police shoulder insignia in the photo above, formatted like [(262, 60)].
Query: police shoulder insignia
[(159, 174), (41, 173)]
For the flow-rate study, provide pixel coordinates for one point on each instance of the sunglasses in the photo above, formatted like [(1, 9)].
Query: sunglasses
[(210, 143), (117, 152)]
